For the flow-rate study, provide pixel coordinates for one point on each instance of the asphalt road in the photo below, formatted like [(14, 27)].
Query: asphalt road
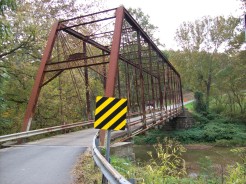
[(47, 161)]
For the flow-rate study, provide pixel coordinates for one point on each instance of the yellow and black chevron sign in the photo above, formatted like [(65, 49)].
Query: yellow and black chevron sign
[(110, 113)]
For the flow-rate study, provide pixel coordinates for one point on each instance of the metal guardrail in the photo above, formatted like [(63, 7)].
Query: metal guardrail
[(108, 171), (112, 175), (31, 133), (26, 134)]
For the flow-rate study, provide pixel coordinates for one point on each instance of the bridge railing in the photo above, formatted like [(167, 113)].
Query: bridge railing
[(112, 175), (31, 133)]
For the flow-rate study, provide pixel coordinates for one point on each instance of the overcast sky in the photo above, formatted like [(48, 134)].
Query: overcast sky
[(169, 14)]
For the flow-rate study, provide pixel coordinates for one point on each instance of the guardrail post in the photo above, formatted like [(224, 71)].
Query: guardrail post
[(104, 179)]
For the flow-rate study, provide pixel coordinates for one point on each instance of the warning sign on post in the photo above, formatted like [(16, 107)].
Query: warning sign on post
[(110, 113)]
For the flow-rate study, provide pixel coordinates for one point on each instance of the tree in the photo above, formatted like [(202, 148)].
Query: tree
[(5, 5), (21, 51), (143, 20), (231, 76), (201, 42)]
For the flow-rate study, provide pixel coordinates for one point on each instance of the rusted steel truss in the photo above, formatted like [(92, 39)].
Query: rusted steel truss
[(111, 48)]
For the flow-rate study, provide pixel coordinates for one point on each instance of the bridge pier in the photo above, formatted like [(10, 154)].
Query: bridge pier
[(183, 121), (123, 149)]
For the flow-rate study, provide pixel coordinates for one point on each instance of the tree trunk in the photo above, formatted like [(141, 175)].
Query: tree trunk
[(208, 86)]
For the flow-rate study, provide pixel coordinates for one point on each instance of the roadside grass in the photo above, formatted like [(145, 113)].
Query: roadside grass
[(190, 106), (168, 167), (85, 171)]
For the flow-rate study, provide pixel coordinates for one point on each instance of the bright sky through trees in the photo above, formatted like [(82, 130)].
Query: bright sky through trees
[(169, 14)]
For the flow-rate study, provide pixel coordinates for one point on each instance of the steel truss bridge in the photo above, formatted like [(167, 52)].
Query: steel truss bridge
[(102, 54)]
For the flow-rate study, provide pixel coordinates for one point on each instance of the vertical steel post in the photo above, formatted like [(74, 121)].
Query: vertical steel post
[(113, 61), (141, 79), (118, 82), (127, 92), (172, 92), (112, 73), (179, 96), (169, 90), (104, 71), (108, 145), (175, 89), (152, 81), (165, 85), (137, 89), (88, 108), (61, 107), (181, 93), (39, 79), (128, 87), (159, 86)]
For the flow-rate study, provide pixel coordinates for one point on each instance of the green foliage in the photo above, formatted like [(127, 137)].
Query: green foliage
[(85, 171), (231, 105), (204, 69), (124, 166), (211, 128), (166, 166), (241, 152), (148, 173), (190, 136), (190, 106), (216, 131), (237, 173), (199, 104), (143, 20), (200, 118), (151, 137), (168, 161), (21, 49), (221, 131), (5, 5), (205, 166), (207, 173)]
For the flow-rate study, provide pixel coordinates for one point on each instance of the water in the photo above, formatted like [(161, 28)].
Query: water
[(220, 157)]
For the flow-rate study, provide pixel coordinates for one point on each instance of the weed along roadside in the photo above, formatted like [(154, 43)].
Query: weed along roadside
[(168, 162), (215, 146), (211, 151)]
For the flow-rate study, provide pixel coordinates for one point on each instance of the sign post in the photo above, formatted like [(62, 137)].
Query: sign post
[(110, 115), (108, 146)]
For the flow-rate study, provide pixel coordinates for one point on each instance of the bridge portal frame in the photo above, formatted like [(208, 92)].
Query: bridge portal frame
[(121, 15)]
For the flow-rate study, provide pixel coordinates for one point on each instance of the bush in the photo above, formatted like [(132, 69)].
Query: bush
[(218, 109), (199, 104), (151, 137), (215, 131), (169, 162), (237, 173), (212, 128), (201, 118), (189, 136), (212, 116)]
